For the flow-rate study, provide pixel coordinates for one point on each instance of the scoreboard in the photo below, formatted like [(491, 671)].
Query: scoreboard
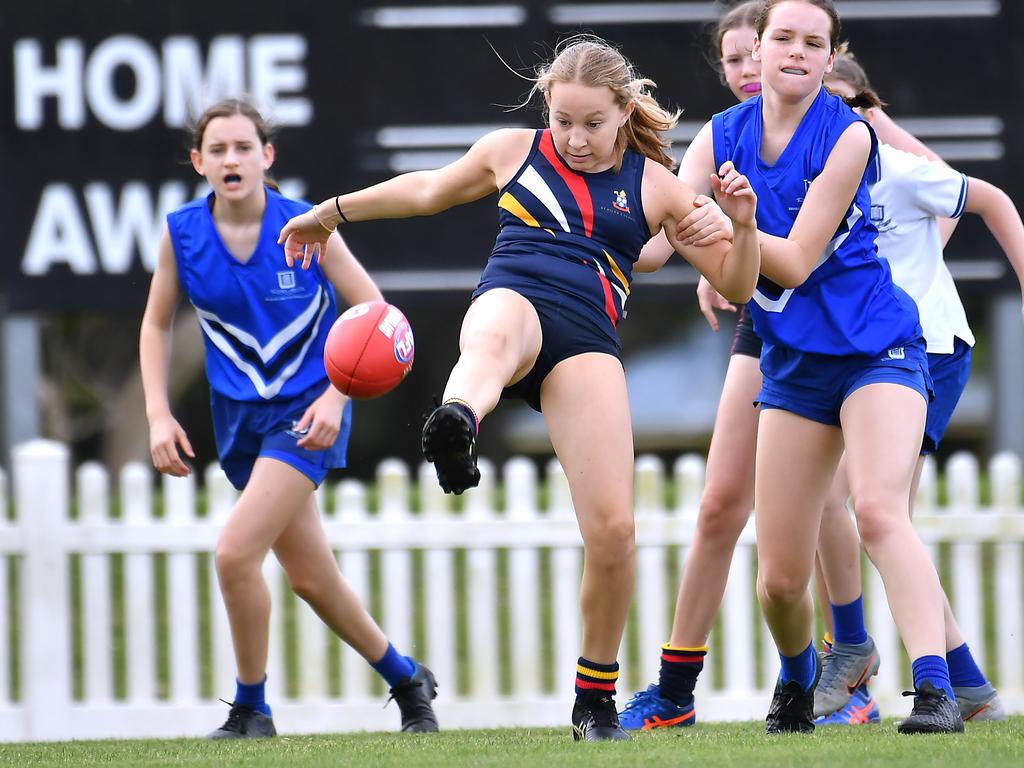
[(97, 94)]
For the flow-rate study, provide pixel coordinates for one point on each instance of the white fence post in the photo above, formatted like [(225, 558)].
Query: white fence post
[(350, 508), (966, 591), (94, 509), (1005, 474), (41, 496), (439, 592), (140, 624), (182, 608), (220, 497), (482, 591), (566, 570), (651, 595), (396, 565), (524, 580)]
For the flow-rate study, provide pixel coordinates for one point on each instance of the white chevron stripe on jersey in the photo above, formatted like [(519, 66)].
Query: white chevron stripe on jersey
[(265, 389), (779, 304), (539, 189), (280, 339)]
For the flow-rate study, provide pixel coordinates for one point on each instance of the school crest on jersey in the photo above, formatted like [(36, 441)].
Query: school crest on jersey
[(882, 224), (620, 203), (286, 280), (800, 200)]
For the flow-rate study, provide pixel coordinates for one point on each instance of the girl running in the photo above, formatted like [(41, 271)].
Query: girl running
[(279, 425)]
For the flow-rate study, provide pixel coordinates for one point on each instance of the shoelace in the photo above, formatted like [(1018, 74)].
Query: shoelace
[(401, 691), (926, 702), (234, 721), (642, 700)]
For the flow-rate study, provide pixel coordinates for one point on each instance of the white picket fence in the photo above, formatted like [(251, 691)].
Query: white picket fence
[(474, 593)]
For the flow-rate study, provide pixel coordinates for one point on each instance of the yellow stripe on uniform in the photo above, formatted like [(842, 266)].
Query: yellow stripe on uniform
[(696, 649), (594, 673), (514, 207), (617, 272)]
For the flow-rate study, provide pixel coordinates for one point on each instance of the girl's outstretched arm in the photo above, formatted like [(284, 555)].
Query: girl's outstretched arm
[(476, 174)]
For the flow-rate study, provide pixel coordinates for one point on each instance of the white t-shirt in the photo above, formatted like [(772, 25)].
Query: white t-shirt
[(909, 193)]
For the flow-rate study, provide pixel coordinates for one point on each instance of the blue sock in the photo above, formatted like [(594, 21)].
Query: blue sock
[(801, 667), (848, 621), (963, 669), (252, 696), (934, 670), (394, 667)]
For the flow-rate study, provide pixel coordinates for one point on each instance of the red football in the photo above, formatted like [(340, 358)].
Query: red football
[(369, 350)]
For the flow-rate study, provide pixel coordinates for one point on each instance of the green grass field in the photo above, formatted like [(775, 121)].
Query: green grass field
[(706, 745)]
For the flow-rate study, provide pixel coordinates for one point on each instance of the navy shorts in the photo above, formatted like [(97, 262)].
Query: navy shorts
[(949, 374), (745, 341), (247, 430), (815, 386), (565, 333)]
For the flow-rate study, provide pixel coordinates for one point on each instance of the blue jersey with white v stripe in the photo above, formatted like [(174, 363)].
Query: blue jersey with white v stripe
[(264, 324), (848, 305)]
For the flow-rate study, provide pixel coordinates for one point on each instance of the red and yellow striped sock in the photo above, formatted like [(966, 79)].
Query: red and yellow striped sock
[(593, 678)]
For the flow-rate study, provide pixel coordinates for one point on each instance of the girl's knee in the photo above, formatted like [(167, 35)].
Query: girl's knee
[(722, 516), (781, 586), (613, 539), (233, 561), (878, 517)]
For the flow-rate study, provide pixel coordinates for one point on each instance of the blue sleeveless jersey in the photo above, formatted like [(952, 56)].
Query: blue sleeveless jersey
[(264, 324), (564, 232), (849, 304)]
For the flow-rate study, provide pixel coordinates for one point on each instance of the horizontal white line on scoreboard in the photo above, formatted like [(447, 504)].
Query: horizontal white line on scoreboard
[(959, 126), (407, 17), (427, 279), (976, 269), (422, 160), (655, 13), (416, 136), (953, 151), (918, 9)]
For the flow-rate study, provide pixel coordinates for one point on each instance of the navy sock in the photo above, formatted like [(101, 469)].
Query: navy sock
[(963, 669), (801, 667), (848, 621), (252, 696), (934, 670), (679, 670), (394, 667)]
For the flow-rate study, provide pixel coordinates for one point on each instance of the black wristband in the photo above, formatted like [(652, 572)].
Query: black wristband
[(338, 206)]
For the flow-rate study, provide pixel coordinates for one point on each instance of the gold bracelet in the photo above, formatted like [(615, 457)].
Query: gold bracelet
[(327, 229)]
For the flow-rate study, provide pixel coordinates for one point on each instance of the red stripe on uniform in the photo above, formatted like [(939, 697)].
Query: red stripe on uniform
[(609, 301), (574, 181), (681, 659), (608, 686)]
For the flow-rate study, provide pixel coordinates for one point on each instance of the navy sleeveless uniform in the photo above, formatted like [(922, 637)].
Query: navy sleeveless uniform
[(567, 243), (264, 327), (848, 324)]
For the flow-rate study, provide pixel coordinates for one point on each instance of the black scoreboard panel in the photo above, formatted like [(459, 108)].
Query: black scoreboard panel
[(92, 146)]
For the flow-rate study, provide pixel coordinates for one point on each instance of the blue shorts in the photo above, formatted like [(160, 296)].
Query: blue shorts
[(949, 373), (247, 430), (815, 386), (564, 334)]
